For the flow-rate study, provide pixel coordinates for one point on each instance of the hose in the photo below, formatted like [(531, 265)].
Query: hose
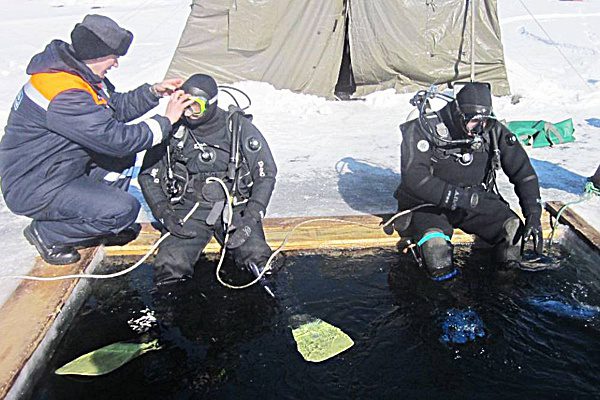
[(589, 192), (99, 276)]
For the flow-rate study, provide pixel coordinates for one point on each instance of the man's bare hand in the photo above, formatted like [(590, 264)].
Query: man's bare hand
[(178, 102)]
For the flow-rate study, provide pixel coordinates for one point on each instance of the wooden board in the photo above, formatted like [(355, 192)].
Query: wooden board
[(29, 313), (342, 232), (581, 228)]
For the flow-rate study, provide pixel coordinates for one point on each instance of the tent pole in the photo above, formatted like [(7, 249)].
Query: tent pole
[(473, 6)]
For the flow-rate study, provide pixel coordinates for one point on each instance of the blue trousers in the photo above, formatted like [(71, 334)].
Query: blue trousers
[(89, 207)]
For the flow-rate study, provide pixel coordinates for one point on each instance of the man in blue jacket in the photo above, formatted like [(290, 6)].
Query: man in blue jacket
[(66, 144)]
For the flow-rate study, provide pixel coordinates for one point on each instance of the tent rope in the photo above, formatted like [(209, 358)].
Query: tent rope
[(554, 42), (473, 6)]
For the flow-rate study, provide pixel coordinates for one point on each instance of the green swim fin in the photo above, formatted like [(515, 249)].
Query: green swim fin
[(106, 359), (318, 340)]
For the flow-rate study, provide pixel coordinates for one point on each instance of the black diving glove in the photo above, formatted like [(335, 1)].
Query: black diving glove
[(533, 230), (173, 223), (400, 224), (478, 201), (244, 227)]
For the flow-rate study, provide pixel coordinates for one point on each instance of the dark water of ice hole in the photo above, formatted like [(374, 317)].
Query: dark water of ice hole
[(542, 333)]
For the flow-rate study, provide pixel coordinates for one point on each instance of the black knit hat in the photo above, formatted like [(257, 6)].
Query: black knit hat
[(475, 98), (99, 36)]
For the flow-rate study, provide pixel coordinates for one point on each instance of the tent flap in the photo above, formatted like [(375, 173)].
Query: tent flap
[(244, 31), (298, 44), (292, 44), (407, 44)]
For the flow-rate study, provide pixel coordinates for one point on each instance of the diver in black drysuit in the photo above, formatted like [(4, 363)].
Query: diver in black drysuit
[(448, 160), (200, 148)]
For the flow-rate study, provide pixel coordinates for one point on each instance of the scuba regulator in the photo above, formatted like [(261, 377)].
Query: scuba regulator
[(439, 134), (472, 111)]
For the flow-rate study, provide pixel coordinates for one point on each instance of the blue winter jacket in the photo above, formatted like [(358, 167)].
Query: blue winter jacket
[(60, 118)]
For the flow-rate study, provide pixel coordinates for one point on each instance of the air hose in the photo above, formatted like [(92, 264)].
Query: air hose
[(98, 276), (589, 191)]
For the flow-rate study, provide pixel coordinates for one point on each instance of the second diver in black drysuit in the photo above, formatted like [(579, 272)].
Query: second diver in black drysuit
[(449, 159), (174, 178)]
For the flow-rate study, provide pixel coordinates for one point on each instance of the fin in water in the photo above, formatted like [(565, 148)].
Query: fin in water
[(106, 359), (318, 340)]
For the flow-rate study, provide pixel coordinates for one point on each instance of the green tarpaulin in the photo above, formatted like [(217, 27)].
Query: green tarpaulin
[(542, 133)]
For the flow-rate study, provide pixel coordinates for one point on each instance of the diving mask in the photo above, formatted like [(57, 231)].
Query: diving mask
[(477, 124), (199, 106)]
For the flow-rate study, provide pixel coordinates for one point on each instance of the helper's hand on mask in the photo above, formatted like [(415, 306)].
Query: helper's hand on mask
[(173, 223), (166, 87), (244, 227), (178, 102), (533, 230)]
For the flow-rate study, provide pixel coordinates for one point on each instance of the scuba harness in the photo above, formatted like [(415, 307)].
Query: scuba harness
[(444, 146), (176, 179)]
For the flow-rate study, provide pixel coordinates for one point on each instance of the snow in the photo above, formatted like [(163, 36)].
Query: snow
[(333, 157)]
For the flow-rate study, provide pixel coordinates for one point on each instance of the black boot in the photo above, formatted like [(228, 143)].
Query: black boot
[(436, 251), (120, 239), (125, 236), (57, 254)]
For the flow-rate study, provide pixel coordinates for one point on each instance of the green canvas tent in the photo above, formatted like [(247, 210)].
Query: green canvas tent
[(312, 46)]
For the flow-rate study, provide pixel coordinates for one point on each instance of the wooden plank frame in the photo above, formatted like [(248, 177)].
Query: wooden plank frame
[(32, 311), (582, 229), (324, 233)]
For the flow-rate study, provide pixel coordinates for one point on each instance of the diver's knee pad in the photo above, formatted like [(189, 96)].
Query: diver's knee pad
[(437, 255), (509, 246)]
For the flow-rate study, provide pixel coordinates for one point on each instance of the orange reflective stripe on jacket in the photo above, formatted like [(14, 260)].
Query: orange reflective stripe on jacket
[(51, 84)]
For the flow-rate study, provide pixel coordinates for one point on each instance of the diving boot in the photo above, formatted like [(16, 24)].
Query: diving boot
[(507, 251), (436, 252), (52, 254)]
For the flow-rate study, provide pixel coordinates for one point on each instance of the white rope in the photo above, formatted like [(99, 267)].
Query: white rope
[(98, 276), (289, 234)]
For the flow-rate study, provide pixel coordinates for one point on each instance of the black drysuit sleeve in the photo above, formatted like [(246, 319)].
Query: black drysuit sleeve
[(262, 167), (128, 106), (517, 166)]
